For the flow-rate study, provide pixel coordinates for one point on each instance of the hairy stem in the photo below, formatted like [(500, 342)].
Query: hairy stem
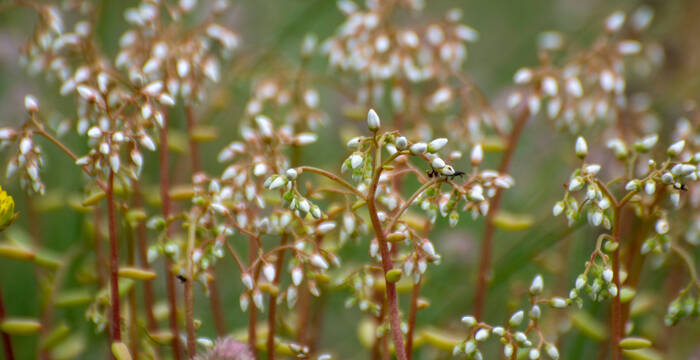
[(486, 242), (113, 261), (169, 276)]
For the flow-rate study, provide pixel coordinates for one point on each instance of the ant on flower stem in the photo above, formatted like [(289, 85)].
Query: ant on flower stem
[(434, 173)]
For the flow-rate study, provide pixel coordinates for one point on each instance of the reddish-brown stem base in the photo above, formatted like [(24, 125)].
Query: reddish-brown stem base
[(113, 261), (486, 243), (215, 303), (272, 316), (169, 276), (412, 319)]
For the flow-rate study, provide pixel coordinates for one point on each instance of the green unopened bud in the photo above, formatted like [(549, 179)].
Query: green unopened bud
[(120, 351), (393, 275), (610, 246), (631, 343), (16, 252), (19, 326), (136, 273)]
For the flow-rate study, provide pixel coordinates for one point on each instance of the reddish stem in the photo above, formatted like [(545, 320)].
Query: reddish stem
[(214, 302), (486, 243), (6, 341), (616, 313), (392, 300), (133, 320), (252, 313), (169, 276), (271, 323), (412, 319), (113, 261), (143, 260), (194, 150), (189, 295)]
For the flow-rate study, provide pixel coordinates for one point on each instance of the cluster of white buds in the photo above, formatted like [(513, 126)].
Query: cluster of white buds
[(181, 63), (509, 335), (591, 85), (597, 281), (293, 97), (364, 44)]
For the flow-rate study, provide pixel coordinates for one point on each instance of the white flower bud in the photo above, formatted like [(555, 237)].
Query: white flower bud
[(550, 86), (247, 281), (318, 261), (581, 147), (516, 319), (558, 208), (477, 155), (326, 227), (447, 170), (30, 104), (418, 148), (534, 354), (537, 285), (522, 76), (437, 163), (114, 162), (153, 89), (481, 335), (291, 174), (401, 142), (552, 351), (354, 143), (437, 144), (269, 272), (297, 276), (608, 275), (258, 299), (661, 226), (557, 302), (676, 148), (650, 187), (94, 132), (277, 182), (355, 161), (373, 122), (469, 320)]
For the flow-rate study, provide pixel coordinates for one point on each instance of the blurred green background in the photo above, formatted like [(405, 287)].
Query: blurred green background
[(271, 32)]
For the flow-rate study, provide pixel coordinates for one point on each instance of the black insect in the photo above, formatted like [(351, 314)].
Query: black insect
[(459, 174), (682, 187), (434, 173), (181, 278)]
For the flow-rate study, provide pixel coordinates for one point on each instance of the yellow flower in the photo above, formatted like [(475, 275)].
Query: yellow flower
[(7, 208)]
